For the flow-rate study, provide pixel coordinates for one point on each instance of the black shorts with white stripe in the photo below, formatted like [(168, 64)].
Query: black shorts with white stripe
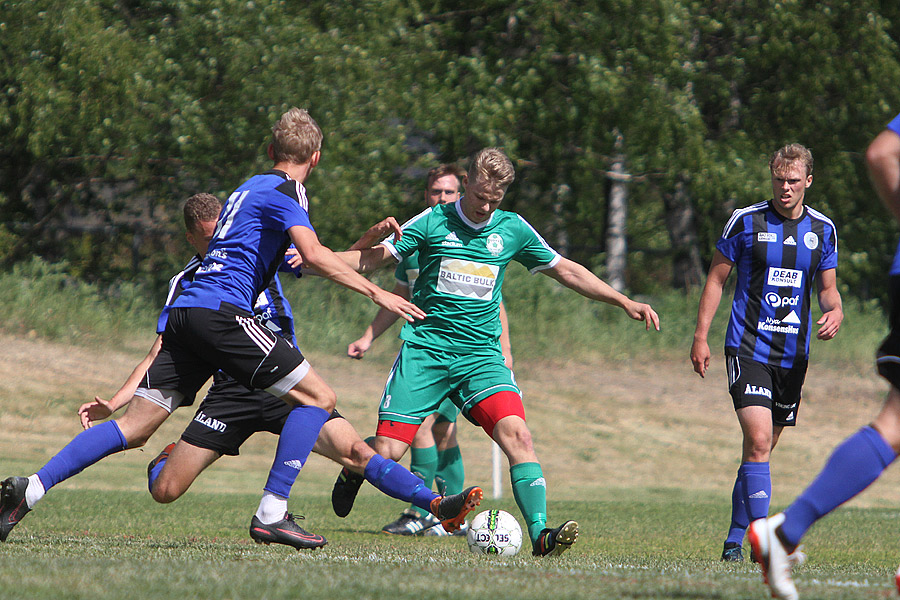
[(197, 342)]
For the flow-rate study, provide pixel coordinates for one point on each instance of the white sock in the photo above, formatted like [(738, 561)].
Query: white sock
[(272, 508), (34, 491)]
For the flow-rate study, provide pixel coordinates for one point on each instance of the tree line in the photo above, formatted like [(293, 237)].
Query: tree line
[(636, 126)]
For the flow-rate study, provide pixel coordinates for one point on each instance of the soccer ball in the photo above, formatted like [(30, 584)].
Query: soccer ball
[(494, 532)]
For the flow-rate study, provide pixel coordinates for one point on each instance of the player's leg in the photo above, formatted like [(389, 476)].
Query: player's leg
[(423, 462), (450, 474), (751, 392), (173, 471), (20, 494), (502, 416)]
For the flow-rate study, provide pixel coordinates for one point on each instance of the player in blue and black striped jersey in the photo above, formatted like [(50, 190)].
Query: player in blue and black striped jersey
[(777, 248), (860, 459)]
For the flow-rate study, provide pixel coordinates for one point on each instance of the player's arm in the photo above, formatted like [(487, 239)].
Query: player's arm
[(100, 409), (578, 278), (830, 303), (883, 162), (719, 271), (505, 345), (378, 232), (330, 265), (382, 321)]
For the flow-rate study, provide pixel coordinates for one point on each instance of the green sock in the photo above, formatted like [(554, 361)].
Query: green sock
[(530, 492), (423, 462), (450, 474)]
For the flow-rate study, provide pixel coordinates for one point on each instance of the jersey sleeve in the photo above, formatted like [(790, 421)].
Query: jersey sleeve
[(894, 125), (829, 251), (535, 254), (414, 234), (730, 242)]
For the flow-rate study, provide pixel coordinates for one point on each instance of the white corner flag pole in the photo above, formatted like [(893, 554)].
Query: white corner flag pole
[(496, 480)]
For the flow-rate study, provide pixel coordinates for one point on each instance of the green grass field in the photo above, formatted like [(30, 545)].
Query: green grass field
[(91, 544), (635, 446)]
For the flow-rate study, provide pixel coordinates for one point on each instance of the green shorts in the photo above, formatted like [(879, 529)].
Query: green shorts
[(447, 411), (422, 378)]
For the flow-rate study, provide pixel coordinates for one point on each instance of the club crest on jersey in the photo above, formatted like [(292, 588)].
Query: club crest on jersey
[(766, 236), (494, 244), (780, 277), (811, 240), (757, 390)]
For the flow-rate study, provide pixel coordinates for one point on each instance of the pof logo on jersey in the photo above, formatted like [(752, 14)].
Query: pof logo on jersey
[(494, 244), (757, 390), (467, 279), (781, 277), (790, 241), (766, 236), (452, 240), (811, 240), (214, 424), (776, 300)]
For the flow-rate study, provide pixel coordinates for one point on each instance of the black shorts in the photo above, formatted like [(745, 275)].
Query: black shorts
[(753, 383), (230, 413), (887, 358), (197, 342)]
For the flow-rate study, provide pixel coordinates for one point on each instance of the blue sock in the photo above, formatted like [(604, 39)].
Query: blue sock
[(852, 467), (739, 519), (397, 482), (301, 429), (85, 449), (756, 489), (154, 473)]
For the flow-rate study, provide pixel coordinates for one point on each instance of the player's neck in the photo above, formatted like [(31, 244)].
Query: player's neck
[(294, 171)]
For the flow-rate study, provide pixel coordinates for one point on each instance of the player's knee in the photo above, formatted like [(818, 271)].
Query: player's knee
[(360, 454), (164, 492)]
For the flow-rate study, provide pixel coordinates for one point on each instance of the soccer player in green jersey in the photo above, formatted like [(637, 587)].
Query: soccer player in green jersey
[(464, 249), (435, 454)]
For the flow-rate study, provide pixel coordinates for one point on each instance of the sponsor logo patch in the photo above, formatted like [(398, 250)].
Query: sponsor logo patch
[(214, 424), (766, 236), (467, 279), (757, 390), (775, 300), (785, 277)]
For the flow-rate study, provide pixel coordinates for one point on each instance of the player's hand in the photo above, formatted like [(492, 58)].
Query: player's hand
[(830, 324), (642, 312), (294, 260), (378, 232), (91, 412), (700, 357), (359, 348), (399, 306)]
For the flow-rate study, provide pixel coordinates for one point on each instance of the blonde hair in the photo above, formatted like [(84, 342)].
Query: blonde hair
[(295, 137), (785, 157), (492, 168), (199, 208)]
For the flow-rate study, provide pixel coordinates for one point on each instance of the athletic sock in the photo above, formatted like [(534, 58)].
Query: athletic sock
[(530, 491), (739, 519), (298, 436), (85, 449), (34, 491), (153, 475), (423, 462), (852, 467), (450, 471), (272, 508), (397, 482)]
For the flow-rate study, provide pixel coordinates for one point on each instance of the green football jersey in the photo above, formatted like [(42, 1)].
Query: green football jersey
[(461, 267)]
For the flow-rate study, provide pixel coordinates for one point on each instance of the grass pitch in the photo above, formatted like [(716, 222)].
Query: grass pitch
[(641, 544)]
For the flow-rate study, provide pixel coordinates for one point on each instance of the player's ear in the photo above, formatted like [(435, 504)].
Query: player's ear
[(808, 180), (270, 151), (314, 159)]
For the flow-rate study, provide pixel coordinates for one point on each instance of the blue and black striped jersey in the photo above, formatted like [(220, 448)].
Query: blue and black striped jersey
[(776, 260), (271, 307)]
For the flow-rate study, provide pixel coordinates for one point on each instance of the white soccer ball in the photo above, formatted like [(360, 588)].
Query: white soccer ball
[(495, 533)]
